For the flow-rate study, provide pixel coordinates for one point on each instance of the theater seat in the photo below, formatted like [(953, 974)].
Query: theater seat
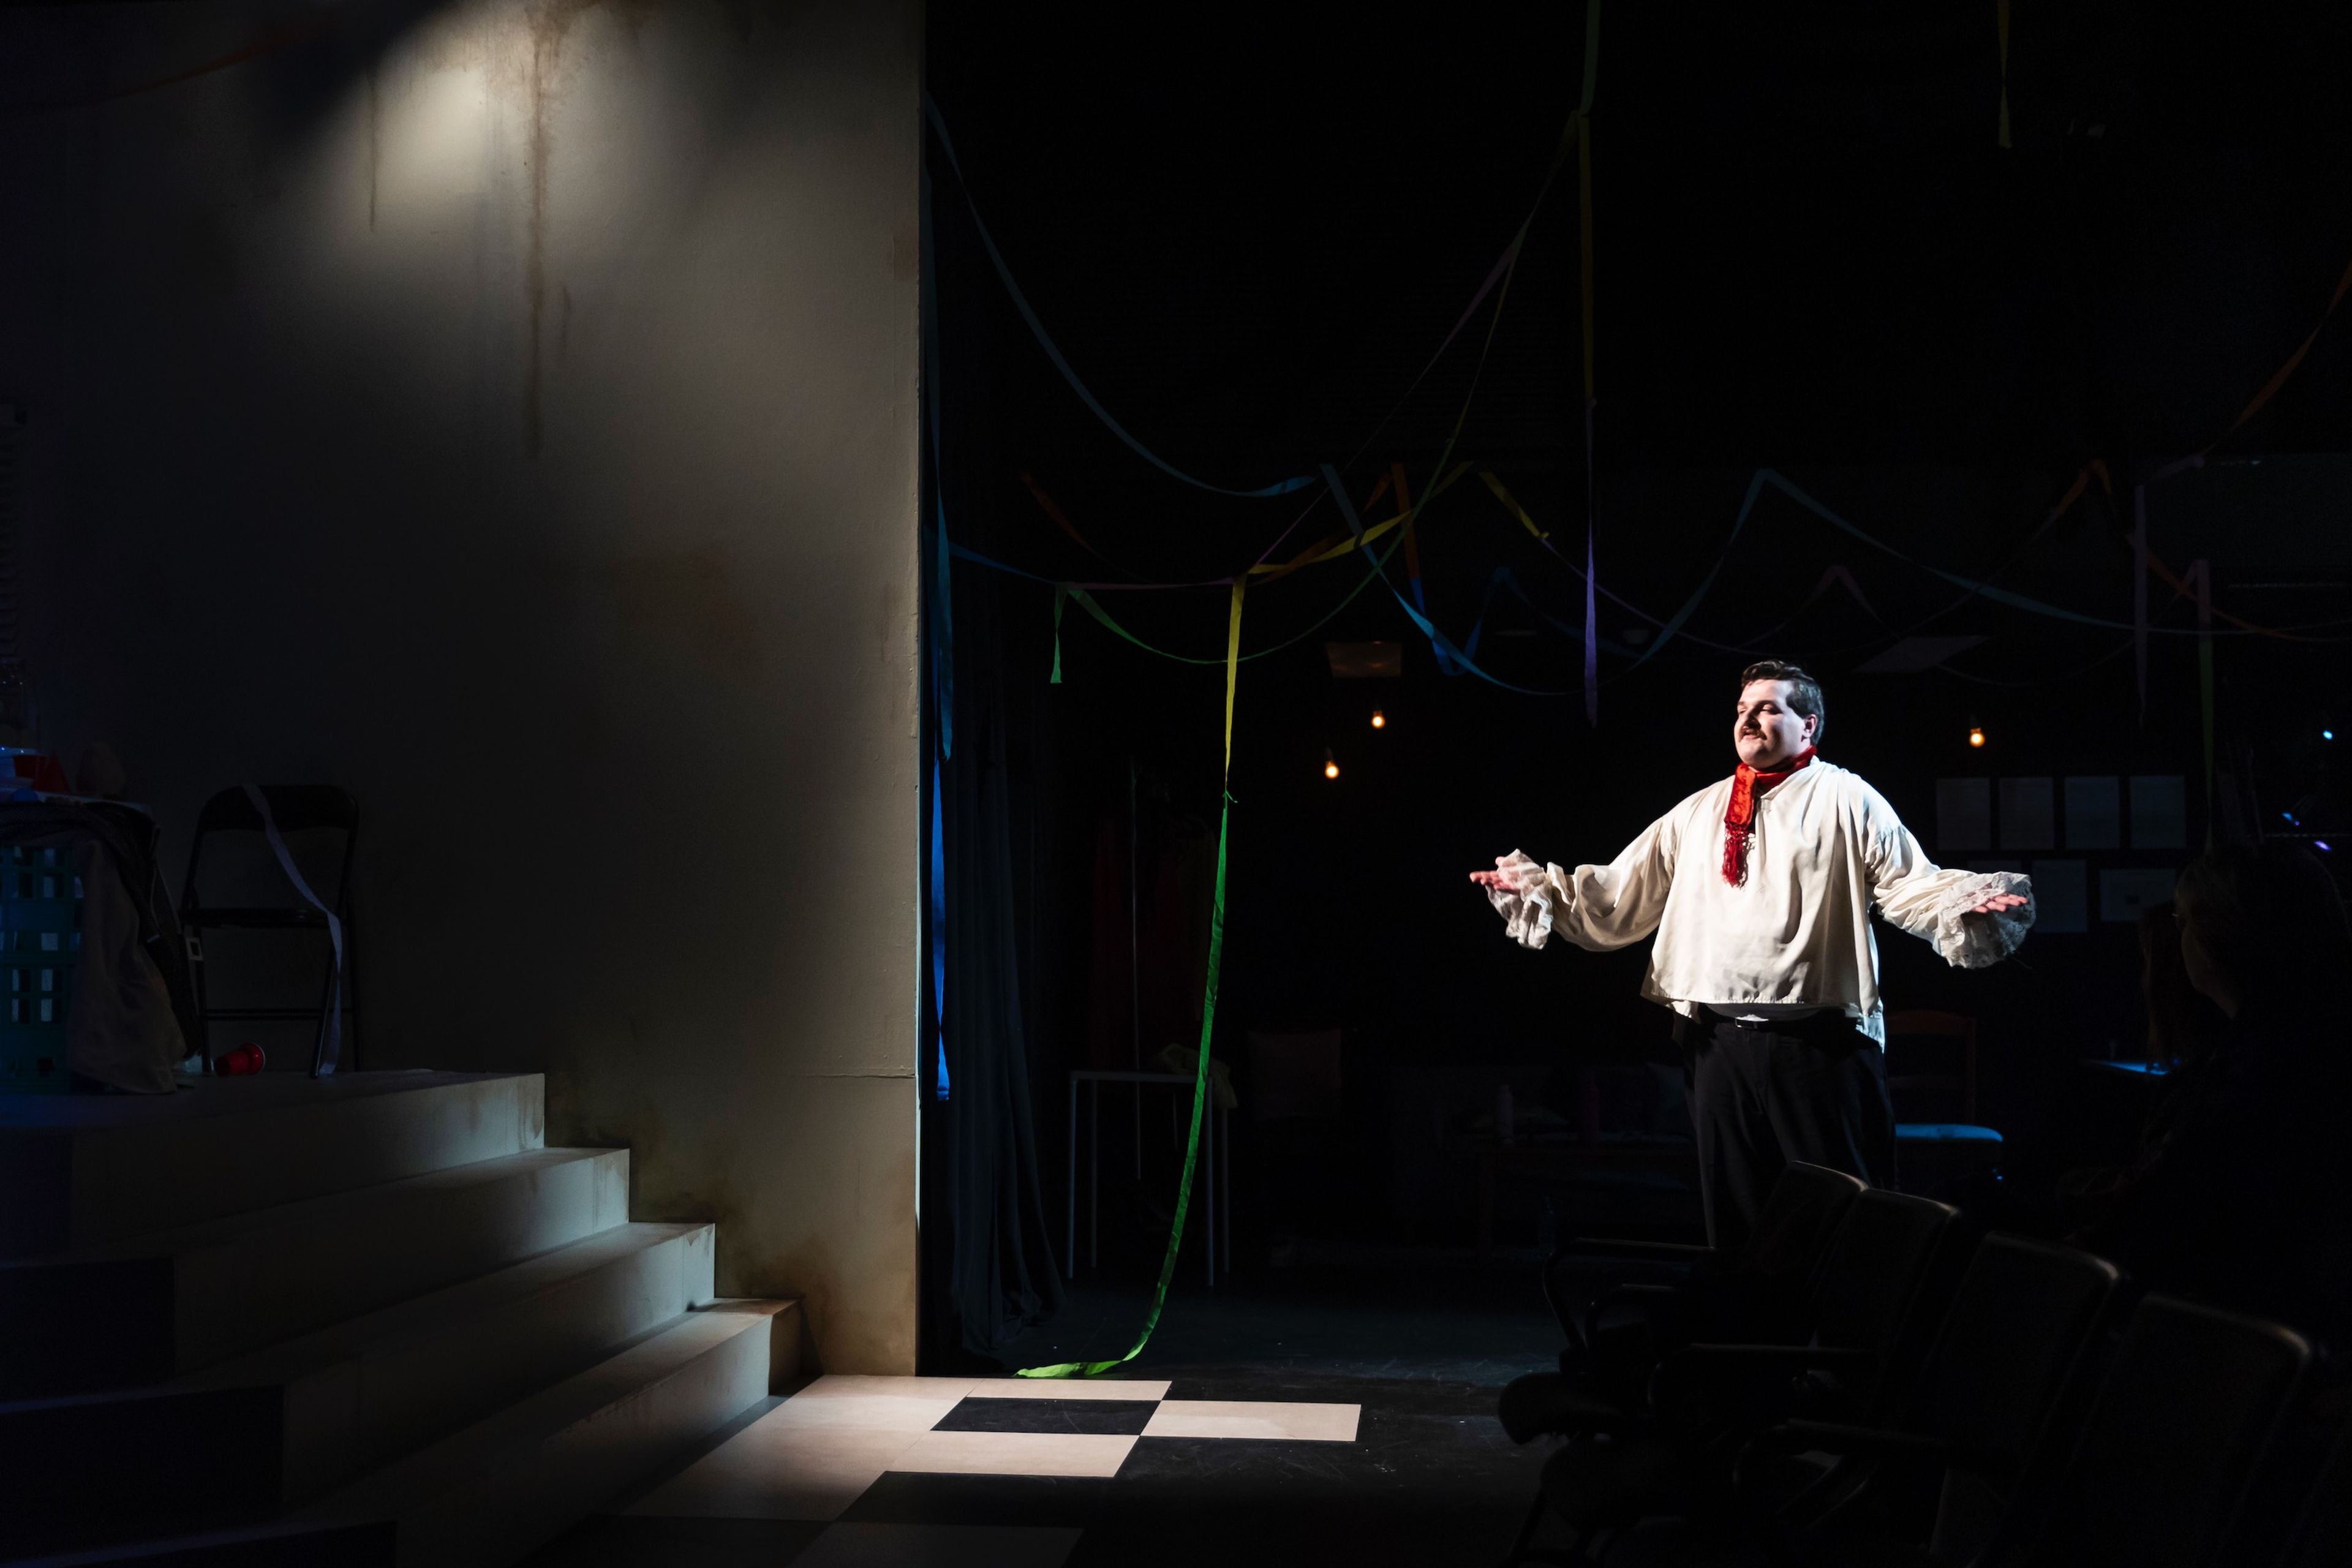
[(1944, 1133), (1931, 1156)]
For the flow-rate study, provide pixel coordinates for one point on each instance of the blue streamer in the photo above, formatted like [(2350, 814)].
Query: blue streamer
[(1674, 622), (940, 927), (1045, 340), (943, 629), (1438, 640)]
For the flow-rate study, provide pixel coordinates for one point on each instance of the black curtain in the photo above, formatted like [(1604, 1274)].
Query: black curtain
[(988, 1266)]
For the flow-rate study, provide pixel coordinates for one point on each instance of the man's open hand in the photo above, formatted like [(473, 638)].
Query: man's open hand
[(1513, 873), (2000, 902)]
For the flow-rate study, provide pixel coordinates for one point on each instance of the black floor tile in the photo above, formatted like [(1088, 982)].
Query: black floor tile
[(1115, 1416), (629, 1540)]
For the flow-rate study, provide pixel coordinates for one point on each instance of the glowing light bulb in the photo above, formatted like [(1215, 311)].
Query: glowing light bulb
[(1380, 720), (1976, 736), (1330, 770), (2328, 734), (2323, 844)]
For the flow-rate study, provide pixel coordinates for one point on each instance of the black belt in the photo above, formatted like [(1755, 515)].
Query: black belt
[(1822, 1021)]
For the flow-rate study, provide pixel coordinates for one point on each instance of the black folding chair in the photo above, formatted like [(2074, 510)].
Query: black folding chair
[(2156, 1475), (2323, 1532), (2008, 1350), (2179, 1427), (1706, 1398), (293, 808), (1758, 1292)]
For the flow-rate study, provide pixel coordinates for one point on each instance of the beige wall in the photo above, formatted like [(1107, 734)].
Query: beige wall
[(510, 412)]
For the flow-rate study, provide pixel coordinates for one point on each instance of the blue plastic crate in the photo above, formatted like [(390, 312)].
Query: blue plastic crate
[(41, 949)]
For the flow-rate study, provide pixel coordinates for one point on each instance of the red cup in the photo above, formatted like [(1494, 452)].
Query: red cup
[(248, 1058)]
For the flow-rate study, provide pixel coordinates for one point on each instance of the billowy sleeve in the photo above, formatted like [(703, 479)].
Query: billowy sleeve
[(1594, 906), (1939, 904)]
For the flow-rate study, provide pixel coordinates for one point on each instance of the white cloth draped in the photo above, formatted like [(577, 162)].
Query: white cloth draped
[(1826, 847)]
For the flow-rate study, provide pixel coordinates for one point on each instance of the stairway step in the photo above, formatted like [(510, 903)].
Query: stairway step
[(320, 1410), (500, 1488), (362, 1392), (84, 1171), (176, 1301), (270, 1546)]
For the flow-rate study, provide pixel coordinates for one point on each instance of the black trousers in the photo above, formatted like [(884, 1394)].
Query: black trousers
[(1810, 1090)]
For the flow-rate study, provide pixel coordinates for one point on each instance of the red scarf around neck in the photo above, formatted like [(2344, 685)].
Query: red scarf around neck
[(1739, 818)]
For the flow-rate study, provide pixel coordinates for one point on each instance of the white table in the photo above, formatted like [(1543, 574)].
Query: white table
[(1214, 1173)]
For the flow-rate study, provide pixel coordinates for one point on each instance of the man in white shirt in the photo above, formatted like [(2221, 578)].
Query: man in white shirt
[(1760, 889)]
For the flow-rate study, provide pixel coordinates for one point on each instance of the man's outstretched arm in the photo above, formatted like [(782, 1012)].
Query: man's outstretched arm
[(1595, 907), (1972, 918)]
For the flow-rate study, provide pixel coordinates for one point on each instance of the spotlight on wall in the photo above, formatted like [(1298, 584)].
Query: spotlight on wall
[(1330, 764), (1976, 735), (1380, 720)]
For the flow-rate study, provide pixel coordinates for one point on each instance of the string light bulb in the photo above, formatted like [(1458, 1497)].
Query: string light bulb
[(1976, 736), (1380, 720), (1330, 764)]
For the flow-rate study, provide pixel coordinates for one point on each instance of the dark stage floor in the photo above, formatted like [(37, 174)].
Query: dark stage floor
[(1340, 1411)]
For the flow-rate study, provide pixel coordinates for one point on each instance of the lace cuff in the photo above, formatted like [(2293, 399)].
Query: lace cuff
[(1967, 940), (1526, 906)]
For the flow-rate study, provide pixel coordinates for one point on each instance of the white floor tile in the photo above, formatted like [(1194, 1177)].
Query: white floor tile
[(938, 1546), (873, 1404), (1253, 1418), (1015, 1453), (1065, 1388)]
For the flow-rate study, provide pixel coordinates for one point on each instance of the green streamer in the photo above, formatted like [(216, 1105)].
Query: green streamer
[(1208, 1031), (1192, 1143)]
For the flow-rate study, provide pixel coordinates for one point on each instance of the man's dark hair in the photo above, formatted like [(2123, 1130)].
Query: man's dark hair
[(1804, 691)]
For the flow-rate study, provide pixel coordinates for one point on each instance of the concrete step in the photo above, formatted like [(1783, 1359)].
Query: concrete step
[(496, 1491), (320, 1410), (173, 1302), (84, 1171)]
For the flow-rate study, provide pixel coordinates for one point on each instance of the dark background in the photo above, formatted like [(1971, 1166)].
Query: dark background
[(1247, 229)]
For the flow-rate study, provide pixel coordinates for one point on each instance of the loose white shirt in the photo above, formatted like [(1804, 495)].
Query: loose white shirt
[(1825, 848)]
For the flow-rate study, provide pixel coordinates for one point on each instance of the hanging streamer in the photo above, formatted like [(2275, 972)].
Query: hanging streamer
[(1438, 641), (939, 626), (1045, 504), (1674, 622), (2139, 592), (1208, 1029), (1053, 350), (2270, 388), (1584, 291), (2200, 576), (944, 583), (2001, 25)]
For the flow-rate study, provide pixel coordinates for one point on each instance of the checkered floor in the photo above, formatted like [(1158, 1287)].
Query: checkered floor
[(816, 1454)]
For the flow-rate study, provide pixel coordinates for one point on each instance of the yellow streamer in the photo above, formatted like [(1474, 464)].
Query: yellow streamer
[(1233, 672), (1511, 504)]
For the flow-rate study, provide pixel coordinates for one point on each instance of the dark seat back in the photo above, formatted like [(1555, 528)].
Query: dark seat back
[(2322, 1532), (1801, 1214), (2016, 1331), (1875, 1267), (2178, 1428)]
